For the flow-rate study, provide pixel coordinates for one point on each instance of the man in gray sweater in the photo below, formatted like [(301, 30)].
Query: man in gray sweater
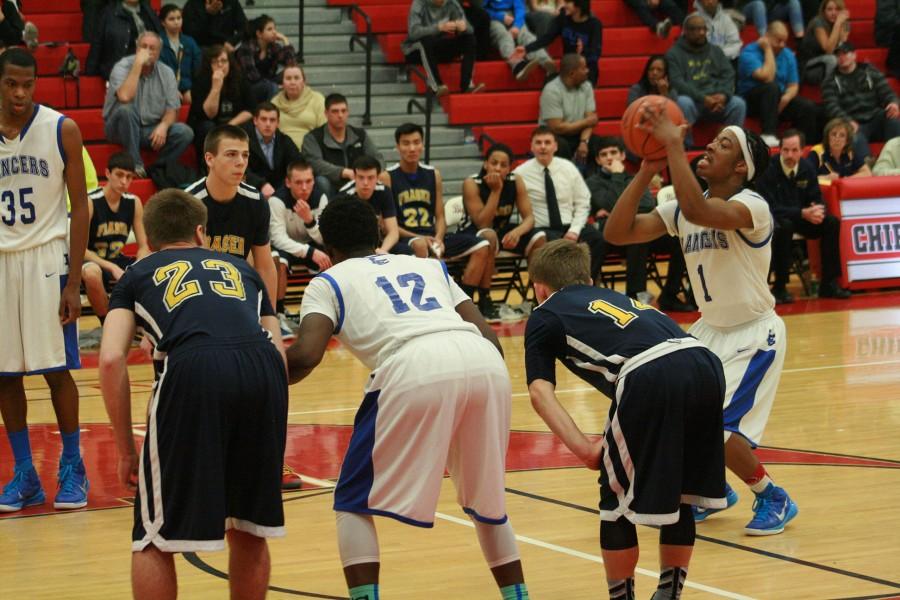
[(703, 78), (439, 33), (861, 94)]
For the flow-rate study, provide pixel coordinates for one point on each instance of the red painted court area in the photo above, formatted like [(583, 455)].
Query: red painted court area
[(317, 451)]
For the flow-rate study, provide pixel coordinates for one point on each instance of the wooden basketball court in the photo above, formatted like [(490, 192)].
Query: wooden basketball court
[(833, 441)]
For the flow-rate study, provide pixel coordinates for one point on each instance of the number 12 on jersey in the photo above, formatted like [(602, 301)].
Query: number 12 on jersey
[(405, 280)]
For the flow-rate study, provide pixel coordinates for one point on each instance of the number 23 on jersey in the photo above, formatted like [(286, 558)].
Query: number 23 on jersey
[(178, 289)]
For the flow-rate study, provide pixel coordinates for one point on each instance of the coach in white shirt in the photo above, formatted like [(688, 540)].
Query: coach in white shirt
[(559, 196)]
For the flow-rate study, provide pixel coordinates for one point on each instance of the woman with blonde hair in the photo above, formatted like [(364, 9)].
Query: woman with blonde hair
[(302, 108), (834, 157), (826, 31)]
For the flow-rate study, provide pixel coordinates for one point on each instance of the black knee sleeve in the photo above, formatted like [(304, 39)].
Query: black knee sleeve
[(618, 535), (681, 533)]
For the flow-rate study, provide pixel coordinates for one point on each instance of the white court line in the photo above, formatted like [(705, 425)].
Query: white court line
[(324, 410), (561, 549), (798, 370)]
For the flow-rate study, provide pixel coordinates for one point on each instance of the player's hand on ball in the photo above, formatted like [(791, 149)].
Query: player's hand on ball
[(128, 470), (655, 120), (653, 166)]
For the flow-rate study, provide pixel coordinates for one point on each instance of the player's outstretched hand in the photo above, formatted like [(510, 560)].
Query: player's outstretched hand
[(592, 461), (655, 120), (653, 166), (128, 470), (69, 304)]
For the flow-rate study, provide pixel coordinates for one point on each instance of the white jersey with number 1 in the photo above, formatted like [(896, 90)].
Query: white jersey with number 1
[(32, 185), (728, 269), (380, 302)]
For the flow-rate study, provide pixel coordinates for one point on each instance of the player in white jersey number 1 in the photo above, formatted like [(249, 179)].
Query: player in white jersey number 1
[(439, 396), (726, 238), (40, 276)]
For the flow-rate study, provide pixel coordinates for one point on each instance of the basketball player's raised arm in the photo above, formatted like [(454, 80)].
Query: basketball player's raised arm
[(306, 353), (70, 301), (624, 225), (118, 331)]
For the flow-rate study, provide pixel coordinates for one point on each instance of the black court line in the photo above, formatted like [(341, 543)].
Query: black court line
[(733, 545), (880, 597), (854, 456)]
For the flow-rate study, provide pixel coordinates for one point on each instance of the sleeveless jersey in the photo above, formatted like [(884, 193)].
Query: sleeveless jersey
[(109, 229), (379, 302), (32, 184), (593, 332), (182, 294), (415, 195), (506, 206), (729, 270), (234, 227)]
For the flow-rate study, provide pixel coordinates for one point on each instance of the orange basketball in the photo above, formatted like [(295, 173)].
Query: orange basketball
[(640, 142)]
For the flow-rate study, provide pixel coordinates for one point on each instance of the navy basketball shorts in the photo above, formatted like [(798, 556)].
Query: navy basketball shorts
[(663, 442), (214, 448), (526, 240)]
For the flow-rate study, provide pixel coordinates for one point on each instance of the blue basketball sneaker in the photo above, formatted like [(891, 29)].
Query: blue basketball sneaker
[(24, 490), (73, 486), (772, 510), (701, 514)]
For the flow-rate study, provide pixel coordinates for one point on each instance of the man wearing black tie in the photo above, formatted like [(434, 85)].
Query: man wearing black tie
[(559, 197), (791, 188)]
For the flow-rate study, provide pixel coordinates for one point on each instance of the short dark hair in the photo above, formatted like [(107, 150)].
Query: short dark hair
[(18, 57), (583, 5), (349, 224), (299, 164), (120, 160), (166, 9), (568, 63), (266, 106), (541, 130), (332, 99), (366, 163), (789, 133), (408, 129), (561, 263), (606, 141), (220, 132), (171, 216), (499, 147)]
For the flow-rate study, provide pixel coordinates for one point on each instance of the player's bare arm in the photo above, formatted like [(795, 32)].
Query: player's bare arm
[(624, 225), (482, 213), (262, 262), (545, 403), (391, 235), (306, 353), (469, 312), (118, 331), (140, 234), (70, 300), (440, 223)]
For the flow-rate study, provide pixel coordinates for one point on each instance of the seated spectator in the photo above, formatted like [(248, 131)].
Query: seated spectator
[(888, 162), (720, 28), (580, 32), (438, 32), (862, 95), (541, 13), (331, 148), (116, 33), (221, 96), (568, 108), (703, 78), (791, 188), (763, 12), (294, 210), (653, 81), (490, 198), (768, 80), (271, 151), (302, 108), (834, 157), (366, 186), (480, 22), (507, 29), (560, 200), (12, 26), (825, 32), (647, 12), (887, 32), (263, 57), (215, 22), (114, 213), (151, 123), (419, 198), (179, 51), (606, 183)]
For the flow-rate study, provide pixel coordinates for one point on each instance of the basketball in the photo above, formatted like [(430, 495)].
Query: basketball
[(640, 142)]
